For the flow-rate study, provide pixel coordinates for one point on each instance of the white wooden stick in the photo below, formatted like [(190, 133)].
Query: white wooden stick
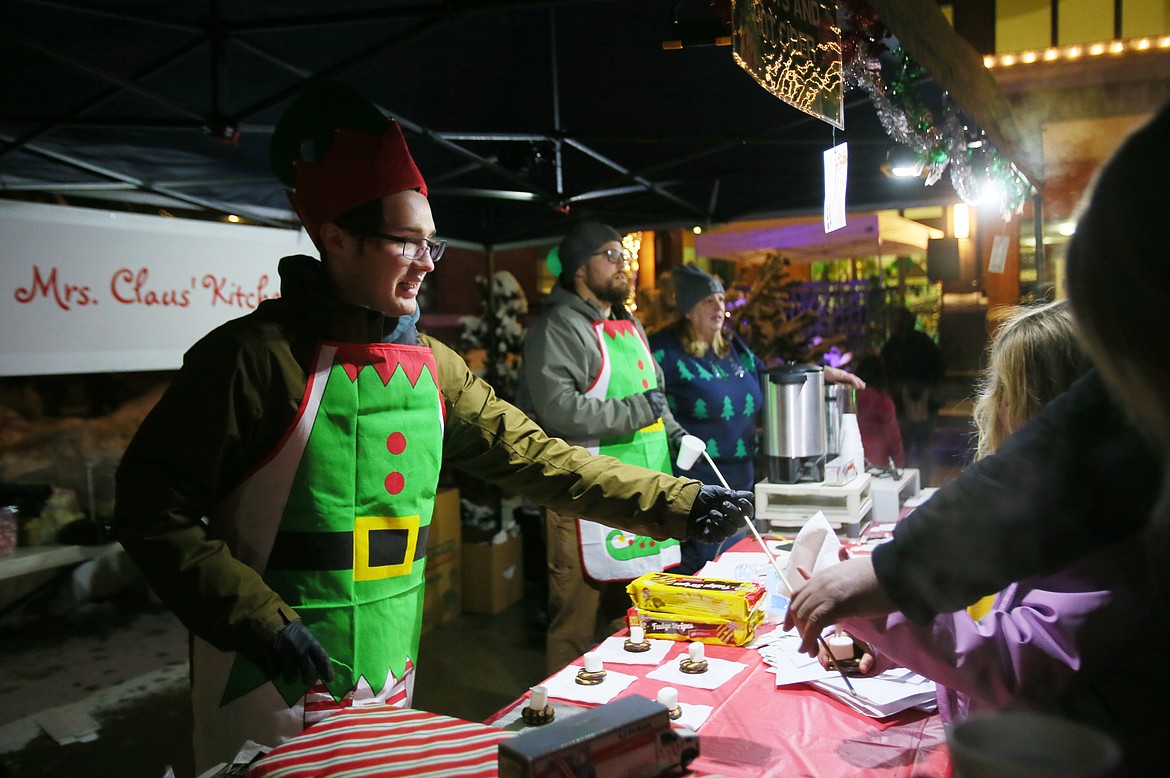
[(776, 567)]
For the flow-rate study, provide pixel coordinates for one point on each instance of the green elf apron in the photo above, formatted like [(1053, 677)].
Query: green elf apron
[(609, 554), (336, 520)]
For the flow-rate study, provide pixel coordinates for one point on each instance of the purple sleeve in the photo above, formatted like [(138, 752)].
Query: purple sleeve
[(1039, 634)]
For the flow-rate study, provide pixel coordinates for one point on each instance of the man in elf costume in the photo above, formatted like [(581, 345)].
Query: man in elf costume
[(588, 376), (279, 496)]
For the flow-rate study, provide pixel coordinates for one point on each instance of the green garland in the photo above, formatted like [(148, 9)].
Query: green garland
[(944, 139)]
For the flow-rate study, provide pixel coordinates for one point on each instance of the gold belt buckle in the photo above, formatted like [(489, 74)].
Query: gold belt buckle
[(362, 527), (654, 426)]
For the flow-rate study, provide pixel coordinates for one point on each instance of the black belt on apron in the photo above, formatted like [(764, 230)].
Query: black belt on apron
[(334, 550)]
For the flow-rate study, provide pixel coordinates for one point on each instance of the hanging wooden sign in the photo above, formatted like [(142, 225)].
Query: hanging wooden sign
[(792, 48)]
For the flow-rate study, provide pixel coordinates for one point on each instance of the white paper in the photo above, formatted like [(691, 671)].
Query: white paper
[(789, 669), (836, 176), (719, 672), (763, 639), (564, 686), (612, 651), (881, 696), (693, 716), (893, 691), (816, 547)]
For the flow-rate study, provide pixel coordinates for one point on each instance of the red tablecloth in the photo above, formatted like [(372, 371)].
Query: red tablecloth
[(757, 730)]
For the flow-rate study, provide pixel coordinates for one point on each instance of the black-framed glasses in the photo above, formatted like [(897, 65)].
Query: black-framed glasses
[(613, 256), (413, 249)]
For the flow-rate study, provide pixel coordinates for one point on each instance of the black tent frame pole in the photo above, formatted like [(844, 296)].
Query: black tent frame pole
[(1042, 281)]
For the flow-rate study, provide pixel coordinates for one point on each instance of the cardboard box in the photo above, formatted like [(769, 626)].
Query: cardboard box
[(493, 575), (444, 590)]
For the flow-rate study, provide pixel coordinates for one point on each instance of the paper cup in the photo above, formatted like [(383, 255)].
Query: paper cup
[(1024, 744), (689, 452)]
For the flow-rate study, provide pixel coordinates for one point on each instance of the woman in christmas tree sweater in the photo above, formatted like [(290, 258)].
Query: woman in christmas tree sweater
[(713, 389)]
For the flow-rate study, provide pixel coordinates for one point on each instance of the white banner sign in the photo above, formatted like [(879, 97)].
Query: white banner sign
[(89, 291)]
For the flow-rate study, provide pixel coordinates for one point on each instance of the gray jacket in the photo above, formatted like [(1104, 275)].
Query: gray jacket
[(562, 360)]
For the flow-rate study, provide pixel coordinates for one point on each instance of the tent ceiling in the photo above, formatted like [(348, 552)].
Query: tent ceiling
[(142, 99)]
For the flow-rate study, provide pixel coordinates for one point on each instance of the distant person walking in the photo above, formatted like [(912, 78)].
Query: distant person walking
[(877, 418), (914, 369)]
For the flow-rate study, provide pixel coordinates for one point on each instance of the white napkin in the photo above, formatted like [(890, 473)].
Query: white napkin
[(693, 716), (612, 651), (564, 686), (816, 547), (719, 671)]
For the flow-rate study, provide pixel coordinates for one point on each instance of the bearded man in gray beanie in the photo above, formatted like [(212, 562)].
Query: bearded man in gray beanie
[(588, 377)]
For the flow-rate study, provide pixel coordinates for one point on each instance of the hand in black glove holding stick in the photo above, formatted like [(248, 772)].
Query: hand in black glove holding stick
[(294, 653), (719, 513)]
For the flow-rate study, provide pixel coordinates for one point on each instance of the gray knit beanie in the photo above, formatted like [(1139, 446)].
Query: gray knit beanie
[(582, 242), (692, 285)]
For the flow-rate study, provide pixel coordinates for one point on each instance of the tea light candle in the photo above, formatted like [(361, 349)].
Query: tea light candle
[(637, 634), (841, 646), (539, 698), (668, 696), (695, 652), (592, 662)]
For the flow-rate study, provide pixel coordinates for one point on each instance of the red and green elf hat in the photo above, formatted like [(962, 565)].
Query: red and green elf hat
[(336, 150)]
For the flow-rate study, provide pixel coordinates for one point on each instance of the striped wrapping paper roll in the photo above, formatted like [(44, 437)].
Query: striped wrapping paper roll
[(386, 742)]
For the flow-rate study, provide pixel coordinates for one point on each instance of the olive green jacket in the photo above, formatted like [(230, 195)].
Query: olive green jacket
[(238, 392)]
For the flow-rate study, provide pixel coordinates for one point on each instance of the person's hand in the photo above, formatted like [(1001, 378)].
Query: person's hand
[(657, 401), (295, 654), (835, 375), (847, 589), (864, 665), (719, 513)]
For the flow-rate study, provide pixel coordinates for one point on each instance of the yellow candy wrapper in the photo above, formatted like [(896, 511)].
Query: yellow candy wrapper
[(695, 627), (708, 599)]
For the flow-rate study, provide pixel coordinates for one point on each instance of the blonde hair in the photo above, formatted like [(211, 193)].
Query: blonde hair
[(685, 332), (1033, 358)]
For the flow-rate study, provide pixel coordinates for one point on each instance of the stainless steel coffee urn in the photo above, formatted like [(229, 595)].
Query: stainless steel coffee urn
[(794, 424)]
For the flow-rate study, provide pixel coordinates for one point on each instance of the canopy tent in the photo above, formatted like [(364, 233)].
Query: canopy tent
[(800, 240), (523, 114)]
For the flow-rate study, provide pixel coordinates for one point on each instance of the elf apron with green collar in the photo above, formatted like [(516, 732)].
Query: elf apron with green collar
[(336, 521), (609, 554)]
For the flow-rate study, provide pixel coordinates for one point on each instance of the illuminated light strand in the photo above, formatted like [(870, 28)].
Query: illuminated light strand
[(632, 245), (1076, 51)]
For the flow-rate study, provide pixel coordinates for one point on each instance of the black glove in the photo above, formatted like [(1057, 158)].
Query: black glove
[(657, 401), (719, 513), (294, 653)]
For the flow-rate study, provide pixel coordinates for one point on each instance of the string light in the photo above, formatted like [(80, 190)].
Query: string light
[(1076, 51), (632, 245), (961, 218)]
